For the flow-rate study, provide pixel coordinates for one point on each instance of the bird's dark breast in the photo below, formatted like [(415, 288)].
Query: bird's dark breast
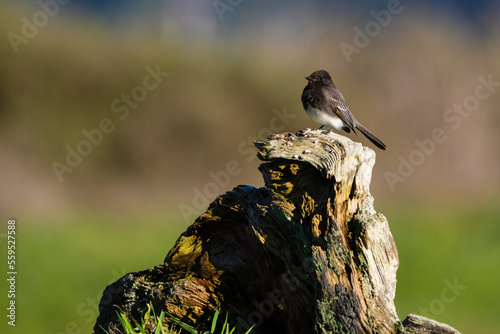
[(307, 97)]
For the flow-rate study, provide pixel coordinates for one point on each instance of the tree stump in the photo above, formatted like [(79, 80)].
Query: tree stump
[(307, 253)]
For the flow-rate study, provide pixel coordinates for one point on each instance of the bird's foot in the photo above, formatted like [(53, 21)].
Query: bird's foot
[(327, 131)]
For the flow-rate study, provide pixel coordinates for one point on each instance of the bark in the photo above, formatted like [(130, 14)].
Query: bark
[(306, 253)]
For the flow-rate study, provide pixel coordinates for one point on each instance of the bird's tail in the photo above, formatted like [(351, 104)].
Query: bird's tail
[(377, 142)]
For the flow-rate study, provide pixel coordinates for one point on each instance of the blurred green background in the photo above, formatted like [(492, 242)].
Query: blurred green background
[(235, 76)]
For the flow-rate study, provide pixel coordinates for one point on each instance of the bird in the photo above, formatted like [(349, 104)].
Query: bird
[(326, 106)]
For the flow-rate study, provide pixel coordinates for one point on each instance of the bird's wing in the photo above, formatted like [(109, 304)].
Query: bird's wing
[(337, 104)]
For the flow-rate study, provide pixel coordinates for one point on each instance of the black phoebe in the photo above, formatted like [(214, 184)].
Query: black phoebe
[(326, 106)]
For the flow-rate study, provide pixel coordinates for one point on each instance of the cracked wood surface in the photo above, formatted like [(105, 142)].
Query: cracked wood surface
[(306, 253)]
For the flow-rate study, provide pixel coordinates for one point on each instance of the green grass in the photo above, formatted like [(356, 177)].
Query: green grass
[(455, 246), (64, 264), (176, 327)]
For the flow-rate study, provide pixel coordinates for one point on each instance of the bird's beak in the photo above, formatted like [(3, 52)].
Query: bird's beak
[(308, 78)]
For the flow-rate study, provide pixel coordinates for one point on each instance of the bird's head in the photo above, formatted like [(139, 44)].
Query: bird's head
[(320, 77)]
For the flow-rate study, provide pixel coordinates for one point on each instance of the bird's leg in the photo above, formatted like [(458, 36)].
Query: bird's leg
[(321, 127)]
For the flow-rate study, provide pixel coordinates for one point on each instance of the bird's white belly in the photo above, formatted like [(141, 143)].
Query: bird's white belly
[(322, 118)]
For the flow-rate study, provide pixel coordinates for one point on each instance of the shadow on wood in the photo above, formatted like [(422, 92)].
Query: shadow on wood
[(307, 253)]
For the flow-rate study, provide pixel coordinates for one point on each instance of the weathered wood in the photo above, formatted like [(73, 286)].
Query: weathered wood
[(419, 324), (307, 253)]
